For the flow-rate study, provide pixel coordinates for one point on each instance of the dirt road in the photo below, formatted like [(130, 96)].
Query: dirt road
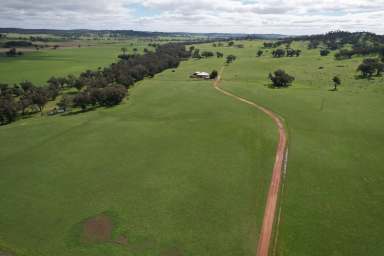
[(266, 231)]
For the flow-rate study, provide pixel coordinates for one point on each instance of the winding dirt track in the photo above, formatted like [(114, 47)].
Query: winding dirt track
[(273, 194)]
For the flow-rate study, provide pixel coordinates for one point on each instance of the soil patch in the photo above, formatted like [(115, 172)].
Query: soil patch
[(172, 252), (97, 229), (122, 240)]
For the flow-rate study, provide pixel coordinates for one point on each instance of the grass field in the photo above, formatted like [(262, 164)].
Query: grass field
[(332, 204), (182, 167), (186, 170), (38, 67)]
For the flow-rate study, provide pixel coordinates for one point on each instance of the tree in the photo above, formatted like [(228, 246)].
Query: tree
[(3, 89), (196, 54), (290, 53), (379, 69), (231, 58), (27, 86), (336, 82), (112, 95), (369, 66), (214, 74), (219, 54), (81, 100), (259, 53), (207, 54), (281, 79), (324, 52), (40, 97), (124, 50), (8, 110), (12, 52), (78, 83), (278, 53), (24, 103), (231, 43), (313, 44), (65, 102), (54, 89)]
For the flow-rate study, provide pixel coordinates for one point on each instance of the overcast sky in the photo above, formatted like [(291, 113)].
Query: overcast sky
[(292, 17)]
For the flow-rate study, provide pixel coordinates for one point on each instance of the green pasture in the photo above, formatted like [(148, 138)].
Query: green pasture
[(185, 169), (39, 66), (334, 189)]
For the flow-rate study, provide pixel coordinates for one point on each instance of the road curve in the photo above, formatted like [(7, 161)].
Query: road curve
[(266, 231)]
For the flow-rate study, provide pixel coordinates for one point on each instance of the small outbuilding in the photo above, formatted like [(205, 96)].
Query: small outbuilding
[(201, 75)]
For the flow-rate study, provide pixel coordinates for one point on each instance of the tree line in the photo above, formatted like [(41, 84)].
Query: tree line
[(103, 87)]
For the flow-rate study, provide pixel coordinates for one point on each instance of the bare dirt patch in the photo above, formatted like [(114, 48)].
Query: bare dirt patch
[(122, 240), (97, 229), (172, 252)]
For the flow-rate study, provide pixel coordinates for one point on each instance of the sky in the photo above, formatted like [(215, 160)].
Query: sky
[(289, 17)]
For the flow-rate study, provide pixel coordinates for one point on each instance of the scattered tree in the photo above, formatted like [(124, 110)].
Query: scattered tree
[(196, 54), (369, 67), (324, 52), (213, 74), (259, 53), (336, 82), (231, 58), (268, 45), (281, 79), (278, 53), (207, 54)]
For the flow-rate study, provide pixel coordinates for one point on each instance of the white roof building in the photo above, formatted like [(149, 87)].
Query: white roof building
[(199, 74)]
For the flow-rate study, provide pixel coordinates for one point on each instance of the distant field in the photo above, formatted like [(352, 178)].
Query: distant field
[(38, 67), (184, 170)]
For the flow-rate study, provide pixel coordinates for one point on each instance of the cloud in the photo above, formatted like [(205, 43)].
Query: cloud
[(273, 16)]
